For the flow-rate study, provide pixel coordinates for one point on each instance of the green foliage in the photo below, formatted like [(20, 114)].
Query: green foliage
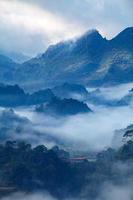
[(126, 152), (28, 168)]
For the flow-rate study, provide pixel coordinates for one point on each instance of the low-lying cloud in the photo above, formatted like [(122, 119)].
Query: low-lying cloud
[(24, 196), (88, 131), (92, 131), (113, 192)]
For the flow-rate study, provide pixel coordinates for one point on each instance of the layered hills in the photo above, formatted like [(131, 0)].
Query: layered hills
[(88, 60)]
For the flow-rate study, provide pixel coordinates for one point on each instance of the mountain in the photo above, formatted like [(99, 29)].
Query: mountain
[(124, 40), (41, 96), (127, 99), (13, 95), (18, 128), (15, 56), (79, 92), (74, 91), (12, 126), (70, 61), (116, 65), (122, 136), (6, 62), (7, 69), (18, 57), (88, 60), (10, 90), (63, 107)]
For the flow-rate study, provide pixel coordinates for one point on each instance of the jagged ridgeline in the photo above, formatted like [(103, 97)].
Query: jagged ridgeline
[(90, 59), (46, 101), (59, 98)]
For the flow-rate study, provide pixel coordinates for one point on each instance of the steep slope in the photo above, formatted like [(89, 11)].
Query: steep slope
[(64, 107), (122, 136), (13, 95), (74, 91), (15, 56), (91, 59), (12, 125), (87, 60), (127, 99), (117, 63), (7, 69), (70, 61), (124, 40)]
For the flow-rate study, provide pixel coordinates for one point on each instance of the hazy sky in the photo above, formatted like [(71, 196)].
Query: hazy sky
[(29, 26)]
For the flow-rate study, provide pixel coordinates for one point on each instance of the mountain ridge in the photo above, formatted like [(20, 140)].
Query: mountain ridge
[(88, 60)]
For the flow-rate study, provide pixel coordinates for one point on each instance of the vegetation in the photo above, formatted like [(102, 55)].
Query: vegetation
[(27, 168), (64, 107)]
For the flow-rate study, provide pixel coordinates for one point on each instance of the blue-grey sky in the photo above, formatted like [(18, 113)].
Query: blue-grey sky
[(29, 26)]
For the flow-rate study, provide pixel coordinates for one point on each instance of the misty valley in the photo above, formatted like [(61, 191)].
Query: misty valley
[(66, 141), (66, 115)]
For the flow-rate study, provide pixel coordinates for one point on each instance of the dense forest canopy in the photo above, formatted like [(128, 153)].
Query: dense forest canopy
[(27, 168)]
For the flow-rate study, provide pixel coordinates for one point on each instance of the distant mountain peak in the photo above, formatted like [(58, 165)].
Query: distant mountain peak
[(88, 59), (92, 32), (5, 58), (128, 30), (91, 35), (88, 36), (124, 39), (6, 62)]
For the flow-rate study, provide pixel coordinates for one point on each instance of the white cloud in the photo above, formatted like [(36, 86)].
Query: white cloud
[(26, 27), (24, 196), (30, 26), (93, 131), (113, 192)]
